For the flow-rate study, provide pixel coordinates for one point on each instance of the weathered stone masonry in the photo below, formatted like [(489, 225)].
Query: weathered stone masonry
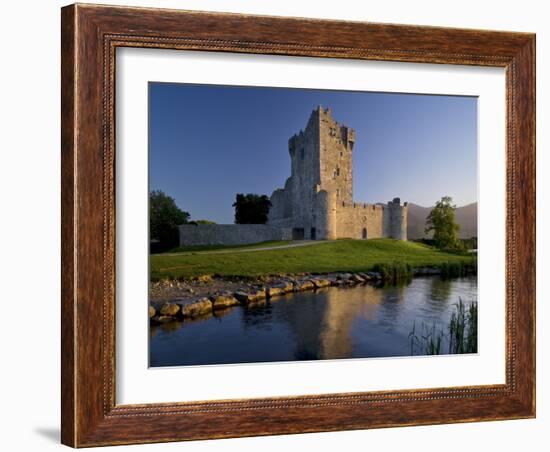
[(230, 234), (316, 202)]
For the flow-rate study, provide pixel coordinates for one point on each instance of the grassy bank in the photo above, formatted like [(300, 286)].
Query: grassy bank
[(340, 255), (198, 249)]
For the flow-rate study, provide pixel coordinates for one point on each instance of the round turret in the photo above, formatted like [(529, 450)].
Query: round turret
[(325, 221)]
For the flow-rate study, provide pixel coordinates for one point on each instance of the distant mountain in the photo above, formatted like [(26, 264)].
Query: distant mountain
[(466, 217)]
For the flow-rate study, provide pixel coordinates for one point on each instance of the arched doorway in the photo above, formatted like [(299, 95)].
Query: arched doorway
[(364, 233)]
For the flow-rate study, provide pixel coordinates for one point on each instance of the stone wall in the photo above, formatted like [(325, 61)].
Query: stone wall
[(353, 218), (230, 234), (371, 221)]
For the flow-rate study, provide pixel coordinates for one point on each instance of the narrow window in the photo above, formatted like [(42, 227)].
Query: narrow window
[(364, 234), (313, 234)]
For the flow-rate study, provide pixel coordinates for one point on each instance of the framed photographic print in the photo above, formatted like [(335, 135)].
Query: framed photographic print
[(281, 225)]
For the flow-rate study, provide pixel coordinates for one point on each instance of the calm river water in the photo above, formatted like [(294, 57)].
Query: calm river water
[(332, 323)]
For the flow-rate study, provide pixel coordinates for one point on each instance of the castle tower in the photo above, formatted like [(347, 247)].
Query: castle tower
[(317, 200), (322, 155), (335, 157), (321, 161), (303, 148), (398, 219)]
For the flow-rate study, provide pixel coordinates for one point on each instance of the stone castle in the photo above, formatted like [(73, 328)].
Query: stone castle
[(317, 200)]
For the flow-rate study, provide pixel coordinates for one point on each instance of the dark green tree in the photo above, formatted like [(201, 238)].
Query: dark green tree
[(251, 208), (164, 218), (441, 221)]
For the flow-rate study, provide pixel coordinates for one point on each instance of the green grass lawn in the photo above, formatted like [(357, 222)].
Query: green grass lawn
[(339, 255), (186, 249)]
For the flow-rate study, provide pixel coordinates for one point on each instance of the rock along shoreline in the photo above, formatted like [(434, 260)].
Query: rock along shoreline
[(204, 295)]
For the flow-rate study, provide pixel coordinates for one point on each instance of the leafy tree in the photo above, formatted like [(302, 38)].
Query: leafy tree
[(441, 221), (164, 218), (251, 208)]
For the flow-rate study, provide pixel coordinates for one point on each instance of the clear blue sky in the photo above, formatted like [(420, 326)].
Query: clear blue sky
[(207, 143)]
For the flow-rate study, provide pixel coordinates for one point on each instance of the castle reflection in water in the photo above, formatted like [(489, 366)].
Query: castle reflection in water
[(332, 323)]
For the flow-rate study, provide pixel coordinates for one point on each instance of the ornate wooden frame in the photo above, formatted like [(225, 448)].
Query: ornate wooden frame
[(90, 35)]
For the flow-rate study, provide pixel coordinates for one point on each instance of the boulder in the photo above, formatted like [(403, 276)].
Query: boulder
[(243, 297), (152, 312), (375, 275), (286, 286), (197, 308), (357, 278), (169, 309), (279, 288), (320, 283), (274, 291), (301, 286), (163, 319), (250, 297), (223, 301)]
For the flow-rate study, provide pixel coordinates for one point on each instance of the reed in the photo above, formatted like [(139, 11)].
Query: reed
[(428, 342), (458, 269), (394, 272), (463, 329), (461, 333)]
